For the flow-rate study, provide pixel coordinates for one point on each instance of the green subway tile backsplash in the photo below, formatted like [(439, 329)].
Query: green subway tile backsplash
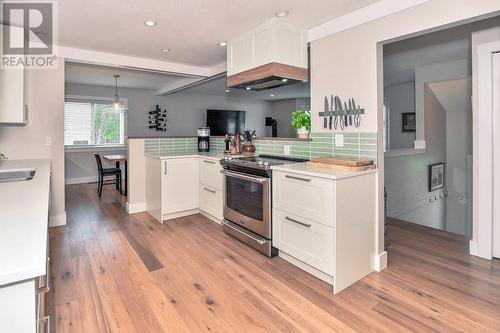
[(356, 145)]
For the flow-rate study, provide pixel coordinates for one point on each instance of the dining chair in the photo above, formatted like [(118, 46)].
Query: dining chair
[(102, 173)]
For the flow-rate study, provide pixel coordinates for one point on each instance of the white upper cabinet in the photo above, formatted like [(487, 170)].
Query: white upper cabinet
[(272, 41), (13, 93)]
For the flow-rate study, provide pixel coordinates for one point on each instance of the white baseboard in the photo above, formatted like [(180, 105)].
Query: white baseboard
[(135, 208), (81, 180), (473, 248), (57, 220), (305, 267), (380, 261), (211, 217)]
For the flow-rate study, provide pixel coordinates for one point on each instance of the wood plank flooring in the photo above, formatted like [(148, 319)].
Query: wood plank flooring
[(114, 272)]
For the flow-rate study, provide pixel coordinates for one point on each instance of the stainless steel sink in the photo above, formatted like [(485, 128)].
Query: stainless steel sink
[(13, 175)]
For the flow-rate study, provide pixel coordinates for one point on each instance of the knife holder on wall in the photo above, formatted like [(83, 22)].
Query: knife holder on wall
[(157, 119), (341, 115)]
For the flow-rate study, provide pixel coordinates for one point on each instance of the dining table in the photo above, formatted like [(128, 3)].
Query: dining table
[(117, 158)]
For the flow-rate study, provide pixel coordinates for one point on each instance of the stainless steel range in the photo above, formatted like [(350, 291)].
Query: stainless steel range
[(247, 202)]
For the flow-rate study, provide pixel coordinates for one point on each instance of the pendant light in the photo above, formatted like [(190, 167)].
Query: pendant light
[(117, 105)]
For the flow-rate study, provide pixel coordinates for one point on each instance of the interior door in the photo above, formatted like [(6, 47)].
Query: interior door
[(496, 154)]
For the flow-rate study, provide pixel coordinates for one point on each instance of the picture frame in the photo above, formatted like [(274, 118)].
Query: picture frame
[(436, 176), (408, 122)]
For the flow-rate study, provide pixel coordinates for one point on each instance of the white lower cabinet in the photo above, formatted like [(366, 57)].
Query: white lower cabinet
[(179, 185), (171, 187), (211, 201), (182, 186), (326, 225), (304, 239)]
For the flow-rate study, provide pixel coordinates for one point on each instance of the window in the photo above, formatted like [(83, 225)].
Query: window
[(92, 123)]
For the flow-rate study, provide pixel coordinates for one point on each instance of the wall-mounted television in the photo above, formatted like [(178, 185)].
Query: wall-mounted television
[(222, 122)]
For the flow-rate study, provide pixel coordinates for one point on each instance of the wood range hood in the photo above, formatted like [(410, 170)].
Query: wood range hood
[(272, 55)]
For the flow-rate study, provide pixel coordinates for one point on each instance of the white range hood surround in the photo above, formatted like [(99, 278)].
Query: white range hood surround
[(273, 53)]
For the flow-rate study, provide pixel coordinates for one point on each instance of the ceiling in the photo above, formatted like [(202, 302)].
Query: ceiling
[(192, 29), (103, 76), (218, 87)]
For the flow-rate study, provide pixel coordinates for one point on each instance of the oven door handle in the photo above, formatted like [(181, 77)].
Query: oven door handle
[(260, 241), (245, 176)]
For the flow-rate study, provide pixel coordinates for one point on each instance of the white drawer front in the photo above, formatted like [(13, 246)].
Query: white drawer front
[(304, 239), (304, 196), (210, 173), (211, 201)]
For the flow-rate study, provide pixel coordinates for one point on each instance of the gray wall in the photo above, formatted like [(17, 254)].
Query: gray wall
[(186, 112), (406, 177), (139, 102), (281, 110), (401, 99)]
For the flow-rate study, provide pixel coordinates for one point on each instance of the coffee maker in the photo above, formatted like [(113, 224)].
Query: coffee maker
[(204, 139)]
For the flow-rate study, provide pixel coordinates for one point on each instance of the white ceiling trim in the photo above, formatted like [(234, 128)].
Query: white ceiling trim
[(218, 69), (175, 86), (113, 59), (363, 15)]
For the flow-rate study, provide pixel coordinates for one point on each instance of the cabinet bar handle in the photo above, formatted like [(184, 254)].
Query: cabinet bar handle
[(210, 162), (45, 287), (44, 325), (165, 167), (288, 218), (209, 190), (298, 178)]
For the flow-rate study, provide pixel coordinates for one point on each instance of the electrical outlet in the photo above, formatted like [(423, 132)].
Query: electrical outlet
[(48, 141), (339, 140), (286, 150)]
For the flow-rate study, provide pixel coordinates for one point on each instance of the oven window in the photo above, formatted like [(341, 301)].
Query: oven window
[(245, 197)]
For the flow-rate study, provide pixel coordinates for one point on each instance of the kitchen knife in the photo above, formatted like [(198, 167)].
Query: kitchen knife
[(326, 110), (351, 109), (338, 103), (331, 110), (346, 123)]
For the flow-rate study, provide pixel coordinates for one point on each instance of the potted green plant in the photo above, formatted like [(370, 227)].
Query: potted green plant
[(301, 122), (3, 158)]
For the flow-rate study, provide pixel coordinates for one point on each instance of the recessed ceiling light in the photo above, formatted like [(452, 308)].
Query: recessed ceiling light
[(284, 80), (165, 50), (272, 95), (149, 23), (248, 88), (281, 13), (222, 44), (227, 90)]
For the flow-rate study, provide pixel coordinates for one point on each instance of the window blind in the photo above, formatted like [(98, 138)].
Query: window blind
[(90, 123)]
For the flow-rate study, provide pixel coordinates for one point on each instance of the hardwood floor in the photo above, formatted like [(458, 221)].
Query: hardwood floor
[(114, 272)]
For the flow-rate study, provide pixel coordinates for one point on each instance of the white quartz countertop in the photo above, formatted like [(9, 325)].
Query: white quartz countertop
[(24, 209), (208, 155), (303, 169)]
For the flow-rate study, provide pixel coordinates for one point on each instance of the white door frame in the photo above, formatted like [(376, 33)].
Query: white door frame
[(496, 155), (482, 189)]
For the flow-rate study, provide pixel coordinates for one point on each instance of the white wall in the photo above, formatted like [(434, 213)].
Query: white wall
[(357, 71), (45, 119), (407, 176), (400, 98)]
